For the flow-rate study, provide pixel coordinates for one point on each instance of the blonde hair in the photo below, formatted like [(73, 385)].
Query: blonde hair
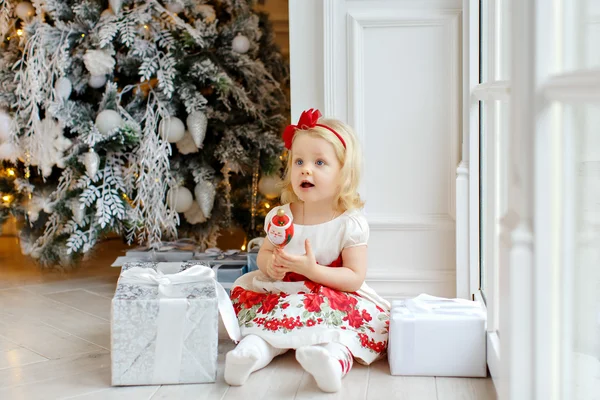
[(350, 159)]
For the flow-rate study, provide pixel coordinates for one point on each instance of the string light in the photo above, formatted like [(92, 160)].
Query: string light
[(10, 172), (7, 198), (145, 26), (20, 32), (267, 205), (243, 247), (83, 35)]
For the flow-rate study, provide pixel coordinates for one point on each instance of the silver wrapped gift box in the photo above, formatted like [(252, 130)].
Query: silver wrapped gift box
[(164, 324)]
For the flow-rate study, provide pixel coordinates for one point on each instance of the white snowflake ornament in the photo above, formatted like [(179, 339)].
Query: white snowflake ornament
[(48, 145), (99, 62)]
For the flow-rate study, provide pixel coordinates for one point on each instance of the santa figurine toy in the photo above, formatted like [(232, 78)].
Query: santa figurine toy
[(280, 229)]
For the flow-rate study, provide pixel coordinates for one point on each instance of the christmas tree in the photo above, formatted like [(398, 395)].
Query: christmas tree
[(151, 119)]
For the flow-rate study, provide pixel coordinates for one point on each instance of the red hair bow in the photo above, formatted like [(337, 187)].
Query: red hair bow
[(308, 119)]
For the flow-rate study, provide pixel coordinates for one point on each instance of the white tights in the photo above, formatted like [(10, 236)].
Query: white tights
[(327, 363)]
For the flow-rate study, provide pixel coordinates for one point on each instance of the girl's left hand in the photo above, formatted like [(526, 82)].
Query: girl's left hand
[(303, 265)]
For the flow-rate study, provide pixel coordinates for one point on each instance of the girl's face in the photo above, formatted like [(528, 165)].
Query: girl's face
[(315, 169)]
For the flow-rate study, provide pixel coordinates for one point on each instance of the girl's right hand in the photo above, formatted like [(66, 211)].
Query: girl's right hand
[(274, 271)]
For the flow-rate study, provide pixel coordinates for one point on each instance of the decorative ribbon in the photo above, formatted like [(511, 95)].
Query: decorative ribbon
[(172, 312), (308, 119)]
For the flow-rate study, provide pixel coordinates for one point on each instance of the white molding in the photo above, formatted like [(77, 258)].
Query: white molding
[(306, 77), (493, 345), (360, 19), (356, 89), (495, 90), (577, 86), (425, 222), (330, 14), (394, 283), (471, 142), (463, 289), (493, 358)]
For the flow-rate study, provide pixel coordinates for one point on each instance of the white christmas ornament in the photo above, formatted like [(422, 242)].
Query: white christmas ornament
[(180, 199), (107, 120), (115, 5), (240, 44), (63, 87), (9, 152), (269, 186), (97, 81), (194, 215), (78, 210), (99, 62), (48, 145), (205, 196), (187, 145), (171, 129), (174, 7), (91, 160), (197, 123), (24, 10), (26, 245), (5, 126), (38, 204)]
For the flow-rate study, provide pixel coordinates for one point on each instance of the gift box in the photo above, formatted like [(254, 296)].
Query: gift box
[(181, 250), (164, 324), (253, 248), (252, 261), (432, 336), (216, 256), (227, 274)]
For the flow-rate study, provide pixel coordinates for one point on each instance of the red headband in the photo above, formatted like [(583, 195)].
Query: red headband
[(308, 119)]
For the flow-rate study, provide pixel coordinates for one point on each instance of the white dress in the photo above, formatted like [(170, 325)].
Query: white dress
[(297, 312)]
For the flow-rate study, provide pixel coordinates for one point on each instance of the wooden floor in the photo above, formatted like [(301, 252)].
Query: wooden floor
[(55, 344)]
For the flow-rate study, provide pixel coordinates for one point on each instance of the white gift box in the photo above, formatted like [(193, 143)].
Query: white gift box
[(164, 324), (432, 336)]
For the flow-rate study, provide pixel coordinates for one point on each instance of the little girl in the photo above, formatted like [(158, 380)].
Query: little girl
[(311, 296)]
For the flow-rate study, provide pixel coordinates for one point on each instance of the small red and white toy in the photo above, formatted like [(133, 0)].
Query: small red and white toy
[(280, 229)]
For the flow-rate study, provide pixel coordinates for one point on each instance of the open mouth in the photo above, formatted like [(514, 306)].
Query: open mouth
[(306, 185)]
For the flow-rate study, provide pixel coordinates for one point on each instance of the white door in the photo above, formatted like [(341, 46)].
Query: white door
[(392, 70)]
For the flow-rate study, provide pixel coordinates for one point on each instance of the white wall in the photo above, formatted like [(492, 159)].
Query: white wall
[(392, 69)]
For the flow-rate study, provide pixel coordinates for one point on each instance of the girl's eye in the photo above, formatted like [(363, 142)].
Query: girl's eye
[(299, 162), (320, 162)]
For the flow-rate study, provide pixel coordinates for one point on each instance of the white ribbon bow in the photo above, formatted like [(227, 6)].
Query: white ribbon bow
[(440, 305), (167, 286)]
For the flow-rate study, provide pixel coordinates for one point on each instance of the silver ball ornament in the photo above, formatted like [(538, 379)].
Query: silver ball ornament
[(171, 129), (180, 199), (24, 10), (240, 44), (63, 87), (107, 120), (269, 186), (97, 81)]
